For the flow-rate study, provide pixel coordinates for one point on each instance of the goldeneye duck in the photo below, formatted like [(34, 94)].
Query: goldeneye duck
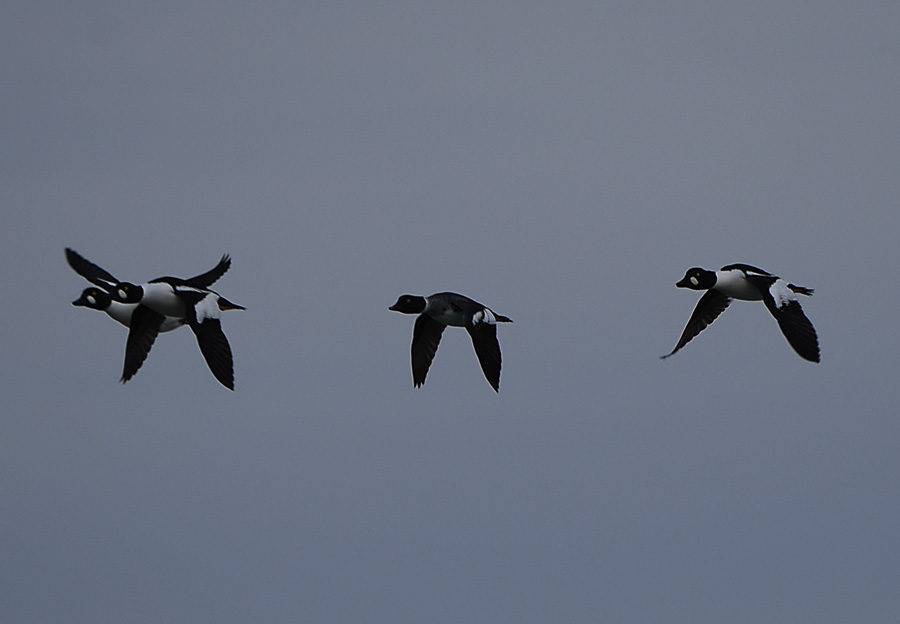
[(748, 283), (442, 309)]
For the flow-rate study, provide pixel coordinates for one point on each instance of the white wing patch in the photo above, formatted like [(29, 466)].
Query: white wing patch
[(208, 307), (484, 316), (781, 293)]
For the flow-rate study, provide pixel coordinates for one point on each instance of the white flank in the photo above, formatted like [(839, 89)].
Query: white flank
[(161, 297), (734, 284), (121, 312)]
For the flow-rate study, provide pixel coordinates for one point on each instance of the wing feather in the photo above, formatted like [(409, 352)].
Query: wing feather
[(795, 326), (90, 271), (205, 280), (215, 349), (145, 324), (487, 348), (708, 309), (426, 338)]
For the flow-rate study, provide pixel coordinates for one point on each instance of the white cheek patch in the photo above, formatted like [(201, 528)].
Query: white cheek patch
[(91, 300), (694, 281)]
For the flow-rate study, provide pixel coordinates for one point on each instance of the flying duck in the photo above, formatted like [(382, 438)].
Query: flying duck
[(442, 309), (748, 283)]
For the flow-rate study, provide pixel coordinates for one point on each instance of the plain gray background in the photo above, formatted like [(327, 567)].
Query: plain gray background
[(563, 163)]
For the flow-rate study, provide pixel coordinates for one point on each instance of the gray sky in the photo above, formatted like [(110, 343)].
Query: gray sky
[(563, 165)]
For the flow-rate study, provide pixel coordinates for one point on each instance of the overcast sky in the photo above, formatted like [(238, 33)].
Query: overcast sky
[(562, 163)]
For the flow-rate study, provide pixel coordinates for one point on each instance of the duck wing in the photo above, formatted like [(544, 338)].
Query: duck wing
[(708, 309)]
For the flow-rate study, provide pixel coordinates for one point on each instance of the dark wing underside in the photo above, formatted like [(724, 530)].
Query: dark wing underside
[(90, 271), (487, 348), (746, 268), (426, 338), (710, 306), (145, 324), (798, 329), (205, 280), (215, 349)]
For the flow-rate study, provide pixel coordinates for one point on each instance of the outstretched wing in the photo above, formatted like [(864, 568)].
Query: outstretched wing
[(205, 280), (145, 324), (202, 281), (748, 269), (426, 338), (90, 271), (215, 349), (487, 348), (708, 309), (798, 329)]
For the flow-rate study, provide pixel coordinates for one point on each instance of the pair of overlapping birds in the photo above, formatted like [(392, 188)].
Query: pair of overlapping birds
[(161, 305), (167, 303)]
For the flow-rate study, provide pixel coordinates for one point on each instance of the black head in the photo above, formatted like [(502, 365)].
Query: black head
[(697, 279), (126, 292), (93, 298), (409, 304)]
